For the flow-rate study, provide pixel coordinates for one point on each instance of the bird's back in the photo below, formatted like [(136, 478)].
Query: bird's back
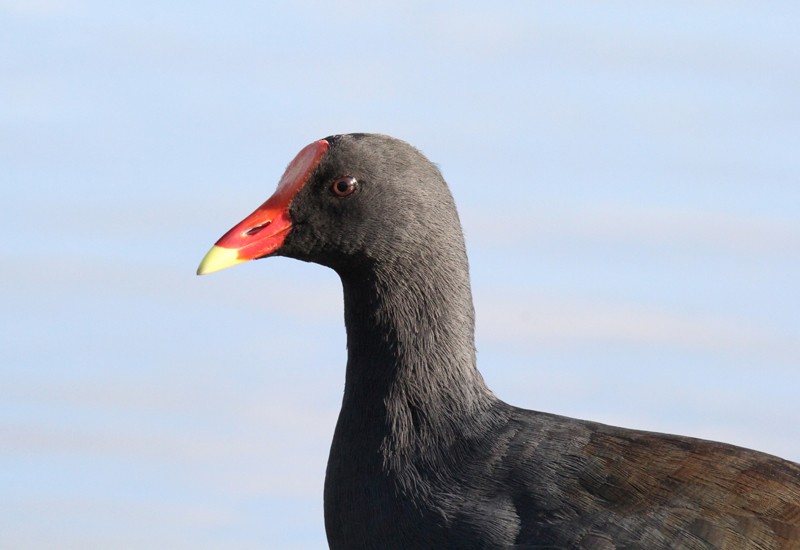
[(580, 484)]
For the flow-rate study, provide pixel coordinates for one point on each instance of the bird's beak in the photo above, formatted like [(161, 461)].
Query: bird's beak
[(263, 232)]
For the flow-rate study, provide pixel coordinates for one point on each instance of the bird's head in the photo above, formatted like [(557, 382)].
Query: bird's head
[(343, 200)]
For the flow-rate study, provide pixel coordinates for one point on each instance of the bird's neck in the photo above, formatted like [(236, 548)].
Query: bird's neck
[(411, 373)]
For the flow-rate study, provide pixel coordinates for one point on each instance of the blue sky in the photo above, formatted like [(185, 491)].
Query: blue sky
[(626, 172)]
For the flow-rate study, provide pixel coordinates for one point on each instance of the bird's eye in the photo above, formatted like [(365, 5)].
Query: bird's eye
[(345, 186)]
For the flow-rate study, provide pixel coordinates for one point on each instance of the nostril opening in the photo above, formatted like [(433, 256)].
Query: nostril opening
[(253, 230)]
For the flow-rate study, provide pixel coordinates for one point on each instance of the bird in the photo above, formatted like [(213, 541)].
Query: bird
[(424, 455)]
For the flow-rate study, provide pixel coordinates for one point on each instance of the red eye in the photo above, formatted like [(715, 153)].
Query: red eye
[(345, 186)]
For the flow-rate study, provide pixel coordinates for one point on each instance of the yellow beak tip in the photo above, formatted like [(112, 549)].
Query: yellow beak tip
[(219, 258)]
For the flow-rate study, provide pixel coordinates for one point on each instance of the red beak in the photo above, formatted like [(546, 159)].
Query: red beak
[(263, 232)]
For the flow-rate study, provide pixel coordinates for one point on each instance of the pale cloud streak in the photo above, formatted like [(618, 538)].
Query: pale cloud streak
[(38, 7), (648, 225), (536, 321)]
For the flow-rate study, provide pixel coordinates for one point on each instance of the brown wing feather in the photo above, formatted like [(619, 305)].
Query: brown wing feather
[(723, 495)]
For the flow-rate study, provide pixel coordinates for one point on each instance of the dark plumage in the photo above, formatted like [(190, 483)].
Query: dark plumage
[(425, 456)]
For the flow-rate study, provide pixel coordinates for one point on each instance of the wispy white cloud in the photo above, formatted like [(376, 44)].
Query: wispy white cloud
[(38, 7), (544, 321), (647, 225)]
